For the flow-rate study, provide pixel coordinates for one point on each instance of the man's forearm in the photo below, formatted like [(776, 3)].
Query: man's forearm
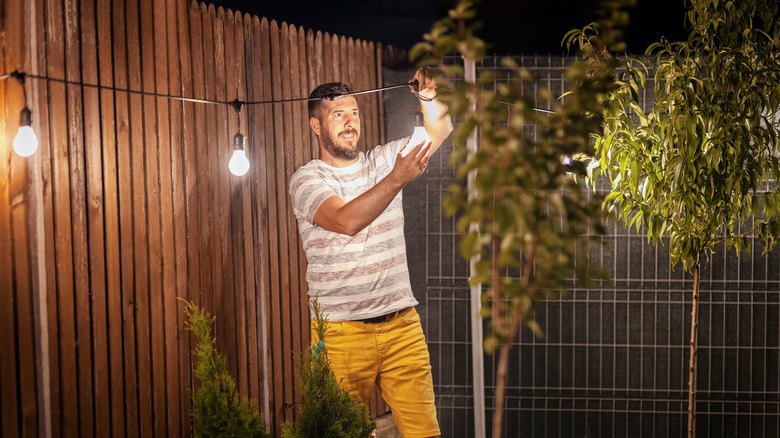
[(361, 211), (438, 123), (351, 217)]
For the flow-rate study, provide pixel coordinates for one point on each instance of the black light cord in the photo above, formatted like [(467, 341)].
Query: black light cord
[(237, 104)]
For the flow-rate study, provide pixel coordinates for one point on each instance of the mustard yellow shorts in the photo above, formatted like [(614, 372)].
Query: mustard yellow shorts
[(392, 355)]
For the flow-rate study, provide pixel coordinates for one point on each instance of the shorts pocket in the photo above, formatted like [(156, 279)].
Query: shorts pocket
[(411, 316)]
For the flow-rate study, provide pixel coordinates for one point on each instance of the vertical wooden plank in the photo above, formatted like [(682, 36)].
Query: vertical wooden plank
[(169, 117), (140, 217), (25, 330), (174, 199), (245, 54), (370, 81), (285, 161), (200, 165), (78, 218), (127, 250), (343, 58), (304, 55), (327, 59), (196, 160), (376, 101), (191, 53), (234, 190), (95, 216), (335, 59), (380, 95), (223, 72), (315, 66), (364, 103), (62, 330), (152, 25), (304, 322), (278, 264), (197, 118), (261, 127), (351, 64), (294, 154), (207, 166), (317, 62), (114, 393), (371, 102), (44, 229), (9, 414)]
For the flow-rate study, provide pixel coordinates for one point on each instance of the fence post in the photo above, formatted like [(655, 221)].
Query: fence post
[(477, 356)]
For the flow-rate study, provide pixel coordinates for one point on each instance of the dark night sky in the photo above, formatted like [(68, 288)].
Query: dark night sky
[(509, 26)]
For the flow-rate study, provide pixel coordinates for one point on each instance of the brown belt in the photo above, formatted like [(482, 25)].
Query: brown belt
[(383, 318)]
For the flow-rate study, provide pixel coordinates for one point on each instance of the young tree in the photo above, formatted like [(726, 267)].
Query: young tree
[(532, 219), (704, 159)]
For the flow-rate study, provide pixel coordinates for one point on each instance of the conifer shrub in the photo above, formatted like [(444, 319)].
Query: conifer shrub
[(217, 408), (328, 410)]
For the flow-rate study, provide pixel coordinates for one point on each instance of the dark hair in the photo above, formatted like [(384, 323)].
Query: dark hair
[(328, 91)]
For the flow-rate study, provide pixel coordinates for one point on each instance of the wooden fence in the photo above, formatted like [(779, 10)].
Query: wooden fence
[(128, 205)]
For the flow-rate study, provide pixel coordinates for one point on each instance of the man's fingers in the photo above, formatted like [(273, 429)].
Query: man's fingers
[(413, 151), (424, 151)]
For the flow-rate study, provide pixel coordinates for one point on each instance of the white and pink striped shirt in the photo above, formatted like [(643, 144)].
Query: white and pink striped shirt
[(361, 276)]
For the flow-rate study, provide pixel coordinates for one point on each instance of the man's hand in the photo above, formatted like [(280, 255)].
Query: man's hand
[(410, 167), (426, 84), (438, 123)]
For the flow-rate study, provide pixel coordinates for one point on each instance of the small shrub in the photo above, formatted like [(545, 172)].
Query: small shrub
[(217, 408), (328, 410)]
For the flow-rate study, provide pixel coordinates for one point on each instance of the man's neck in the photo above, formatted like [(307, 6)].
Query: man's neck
[(332, 161)]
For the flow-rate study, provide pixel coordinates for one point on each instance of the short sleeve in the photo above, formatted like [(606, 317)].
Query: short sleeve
[(308, 191)]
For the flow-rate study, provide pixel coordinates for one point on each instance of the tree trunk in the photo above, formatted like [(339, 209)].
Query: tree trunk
[(694, 355), (503, 364)]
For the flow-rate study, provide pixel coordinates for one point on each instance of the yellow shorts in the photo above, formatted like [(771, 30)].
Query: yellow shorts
[(393, 355)]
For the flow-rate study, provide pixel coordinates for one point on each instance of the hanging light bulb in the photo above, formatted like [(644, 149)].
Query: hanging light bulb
[(25, 142), (239, 163), (418, 136)]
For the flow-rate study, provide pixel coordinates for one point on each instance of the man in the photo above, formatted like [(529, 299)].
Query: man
[(350, 217)]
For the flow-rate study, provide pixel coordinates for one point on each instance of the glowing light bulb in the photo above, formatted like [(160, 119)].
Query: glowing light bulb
[(239, 163), (418, 136), (25, 142)]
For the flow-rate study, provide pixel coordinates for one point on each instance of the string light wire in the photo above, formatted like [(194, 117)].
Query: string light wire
[(196, 100), (414, 84)]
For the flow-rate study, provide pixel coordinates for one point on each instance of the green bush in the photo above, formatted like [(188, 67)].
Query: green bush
[(217, 408), (328, 410)]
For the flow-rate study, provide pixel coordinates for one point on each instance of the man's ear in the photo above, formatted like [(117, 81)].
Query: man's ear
[(315, 125)]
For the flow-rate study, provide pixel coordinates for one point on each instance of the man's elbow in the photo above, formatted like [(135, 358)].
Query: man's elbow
[(348, 226)]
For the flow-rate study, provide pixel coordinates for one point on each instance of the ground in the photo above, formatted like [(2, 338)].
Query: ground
[(385, 427)]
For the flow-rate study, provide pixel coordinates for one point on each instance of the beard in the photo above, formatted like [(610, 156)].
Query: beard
[(331, 144)]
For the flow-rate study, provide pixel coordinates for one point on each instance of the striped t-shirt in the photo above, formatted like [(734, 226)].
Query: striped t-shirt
[(361, 276)]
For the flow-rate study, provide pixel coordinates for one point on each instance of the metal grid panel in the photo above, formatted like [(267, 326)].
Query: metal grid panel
[(614, 359)]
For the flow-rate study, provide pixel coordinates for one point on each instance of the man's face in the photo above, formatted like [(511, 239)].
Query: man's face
[(339, 127)]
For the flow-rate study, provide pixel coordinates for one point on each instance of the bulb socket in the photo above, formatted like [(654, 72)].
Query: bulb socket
[(25, 117), (238, 142), (419, 119)]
